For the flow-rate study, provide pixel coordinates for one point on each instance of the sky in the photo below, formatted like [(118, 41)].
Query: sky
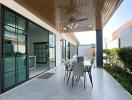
[(86, 37), (120, 17)]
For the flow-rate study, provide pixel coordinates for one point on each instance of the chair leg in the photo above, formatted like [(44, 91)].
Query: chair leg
[(78, 79), (90, 76), (84, 79), (65, 75), (72, 80), (68, 77)]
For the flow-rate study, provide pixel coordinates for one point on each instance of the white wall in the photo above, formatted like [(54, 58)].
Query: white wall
[(58, 49), (126, 37), (113, 44)]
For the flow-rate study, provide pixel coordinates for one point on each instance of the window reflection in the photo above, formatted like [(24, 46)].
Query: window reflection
[(14, 49)]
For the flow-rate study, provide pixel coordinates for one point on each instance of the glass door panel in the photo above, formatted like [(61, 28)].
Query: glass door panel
[(52, 42), (10, 38), (21, 75), (14, 49), (10, 79), (21, 57)]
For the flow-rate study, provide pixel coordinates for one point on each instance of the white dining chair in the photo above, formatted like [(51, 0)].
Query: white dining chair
[(78, 71)]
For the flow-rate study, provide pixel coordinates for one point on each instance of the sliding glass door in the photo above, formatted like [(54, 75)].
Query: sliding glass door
[(73, 50), (67, 50), (14, 49), (63, 49), (52, 50)]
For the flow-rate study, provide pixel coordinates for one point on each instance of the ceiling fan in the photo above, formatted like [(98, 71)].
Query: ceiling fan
[(73, 19), (73, 22), (71, 10)]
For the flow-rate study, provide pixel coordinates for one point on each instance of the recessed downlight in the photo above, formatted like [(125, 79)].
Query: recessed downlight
[(90, 26)]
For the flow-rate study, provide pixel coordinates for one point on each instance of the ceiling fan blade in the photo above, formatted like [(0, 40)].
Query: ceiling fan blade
[(62, 7), (60, 21), (81, 19)]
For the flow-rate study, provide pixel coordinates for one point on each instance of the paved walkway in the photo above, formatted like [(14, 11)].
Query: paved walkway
[(54, 88)]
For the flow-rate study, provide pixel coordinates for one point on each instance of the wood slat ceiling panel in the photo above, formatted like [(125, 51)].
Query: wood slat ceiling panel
[(44, 9), (58, 12), (109, 8)]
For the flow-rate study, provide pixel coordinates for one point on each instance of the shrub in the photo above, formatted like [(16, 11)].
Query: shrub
[(122, 76), (111, 57), (119, 65), (125, 55)]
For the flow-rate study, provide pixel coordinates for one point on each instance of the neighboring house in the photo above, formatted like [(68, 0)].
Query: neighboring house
[(122, 37)]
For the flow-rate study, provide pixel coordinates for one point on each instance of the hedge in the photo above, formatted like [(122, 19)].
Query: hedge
[(125, 55), (118, 62)]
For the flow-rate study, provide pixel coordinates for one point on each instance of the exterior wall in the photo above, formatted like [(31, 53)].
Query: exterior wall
[(91, 52), (117, 33), (86, 50), (69, 38), (21, 10), (126, 37), (34, 36), (122, 36), (113, 44)]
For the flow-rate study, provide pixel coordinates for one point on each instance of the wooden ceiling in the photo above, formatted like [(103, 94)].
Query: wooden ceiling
[(58, 12)]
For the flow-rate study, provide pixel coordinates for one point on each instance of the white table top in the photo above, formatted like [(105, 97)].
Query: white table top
[(87, 63)]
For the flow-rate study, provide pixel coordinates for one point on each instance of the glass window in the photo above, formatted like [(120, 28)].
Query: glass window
[(9, 79), (9, 64), (21, 23), (9, 18), (14, 49), (21, 62), (21, 75), (10, 30), (40, 52)]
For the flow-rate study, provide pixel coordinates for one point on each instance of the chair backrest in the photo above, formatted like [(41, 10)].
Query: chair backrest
[(75, 56), (80, 58), (92, 61), (67, 64), (78, 69)]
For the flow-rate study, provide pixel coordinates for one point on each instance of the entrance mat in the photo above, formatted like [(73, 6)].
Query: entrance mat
[(46, 76)]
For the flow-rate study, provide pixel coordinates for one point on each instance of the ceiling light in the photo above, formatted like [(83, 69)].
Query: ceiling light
[(90, 26), (64, 28)]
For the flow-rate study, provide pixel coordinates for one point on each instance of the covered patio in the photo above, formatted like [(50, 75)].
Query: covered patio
[(68, 16), (63, 17), (54, 88)]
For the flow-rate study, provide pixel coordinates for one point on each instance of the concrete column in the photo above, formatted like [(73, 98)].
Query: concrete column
[(99, 48), (1, 61), (58, 49)]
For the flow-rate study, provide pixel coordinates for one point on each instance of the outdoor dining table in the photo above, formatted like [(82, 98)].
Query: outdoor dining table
[(87, 65)]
